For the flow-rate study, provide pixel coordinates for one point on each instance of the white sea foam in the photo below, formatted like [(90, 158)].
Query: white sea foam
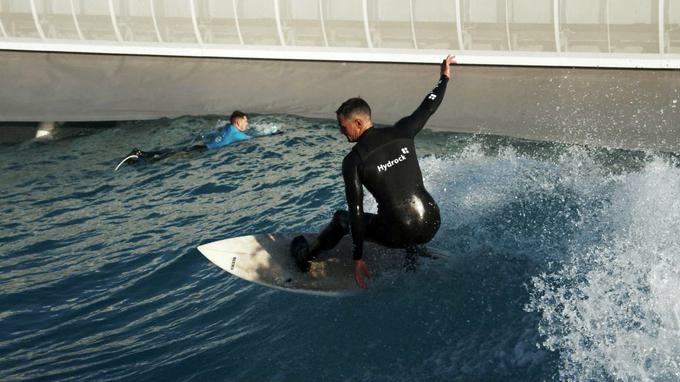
[(609, 302), (613, 310)]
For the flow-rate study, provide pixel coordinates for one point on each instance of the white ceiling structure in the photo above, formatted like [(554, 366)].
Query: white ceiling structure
[(574, 33)]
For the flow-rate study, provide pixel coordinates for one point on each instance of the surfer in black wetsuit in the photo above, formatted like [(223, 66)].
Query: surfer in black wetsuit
[(384, 161)]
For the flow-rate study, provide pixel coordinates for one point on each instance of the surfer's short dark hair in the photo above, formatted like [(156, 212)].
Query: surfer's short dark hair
[(237, 115), (353, 106)]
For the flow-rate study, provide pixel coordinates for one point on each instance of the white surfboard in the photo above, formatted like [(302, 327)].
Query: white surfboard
[(265, 259)]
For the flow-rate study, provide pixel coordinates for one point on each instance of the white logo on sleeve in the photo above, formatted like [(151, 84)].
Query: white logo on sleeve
[(432, 97), (390, 163)]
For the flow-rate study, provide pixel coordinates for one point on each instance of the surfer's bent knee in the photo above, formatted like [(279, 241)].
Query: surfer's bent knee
[(341, 219)]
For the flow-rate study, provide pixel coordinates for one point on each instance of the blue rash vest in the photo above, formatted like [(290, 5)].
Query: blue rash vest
[(226, 135)]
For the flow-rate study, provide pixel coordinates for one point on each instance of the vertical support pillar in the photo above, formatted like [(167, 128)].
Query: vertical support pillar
[(367, 29), (323, 23), (413, 24), (194, 22), (609, 35), (662, 27), (3, 32), (75, 21), (279, 28), (507, 26), (238, 26), (556, 25), (459, 26), (2, 28), (36, 21), (155, 22), (112, 13)]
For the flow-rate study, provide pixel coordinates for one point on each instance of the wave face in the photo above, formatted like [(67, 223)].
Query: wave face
[(564, 262)]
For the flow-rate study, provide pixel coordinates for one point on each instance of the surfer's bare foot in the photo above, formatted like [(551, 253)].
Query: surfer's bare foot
[(299, 249)]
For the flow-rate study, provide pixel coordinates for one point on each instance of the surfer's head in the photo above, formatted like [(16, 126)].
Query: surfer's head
[(239, 119), (354, 118)]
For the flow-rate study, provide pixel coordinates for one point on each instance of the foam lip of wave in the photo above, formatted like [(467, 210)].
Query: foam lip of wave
[(613, 310)]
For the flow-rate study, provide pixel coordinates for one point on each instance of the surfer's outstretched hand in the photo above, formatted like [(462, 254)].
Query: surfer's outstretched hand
[(361, 271), (445, 66)]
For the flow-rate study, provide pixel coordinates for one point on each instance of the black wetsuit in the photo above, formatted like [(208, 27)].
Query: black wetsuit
[(384, 161), (152, 156)]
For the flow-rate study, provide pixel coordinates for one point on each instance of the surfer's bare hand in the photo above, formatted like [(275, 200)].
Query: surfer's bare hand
[(361, 271), (445, 67)]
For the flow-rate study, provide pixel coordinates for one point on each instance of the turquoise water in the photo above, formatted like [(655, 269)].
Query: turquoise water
[(565, 262)]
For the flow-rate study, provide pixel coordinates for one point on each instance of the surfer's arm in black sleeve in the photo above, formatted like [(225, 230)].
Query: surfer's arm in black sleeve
[(355, 202), (416, 121)]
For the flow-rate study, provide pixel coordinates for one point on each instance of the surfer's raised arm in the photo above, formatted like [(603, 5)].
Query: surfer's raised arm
[(416, 121)]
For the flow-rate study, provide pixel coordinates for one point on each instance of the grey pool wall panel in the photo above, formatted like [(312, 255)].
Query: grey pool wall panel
[(624, 108)]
